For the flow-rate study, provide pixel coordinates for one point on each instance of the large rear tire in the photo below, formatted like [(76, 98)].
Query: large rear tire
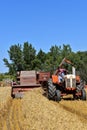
[(83, 94), (51, 90)]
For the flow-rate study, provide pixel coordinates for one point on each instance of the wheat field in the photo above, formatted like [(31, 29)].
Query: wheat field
[(35, 112)]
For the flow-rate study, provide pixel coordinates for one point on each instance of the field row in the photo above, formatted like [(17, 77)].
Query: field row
[(36, 112)]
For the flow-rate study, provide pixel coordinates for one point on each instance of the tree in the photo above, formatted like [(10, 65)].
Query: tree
[(55, 56), (15, 54), (36, 64), (25, 58), (29, 54), (20, 58), (41, 56), (82, 65), (66, 50)]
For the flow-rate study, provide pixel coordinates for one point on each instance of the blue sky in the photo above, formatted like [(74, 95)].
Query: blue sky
[(42, 23)]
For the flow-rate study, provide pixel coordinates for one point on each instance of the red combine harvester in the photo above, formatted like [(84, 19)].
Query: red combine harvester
[(27, 80)]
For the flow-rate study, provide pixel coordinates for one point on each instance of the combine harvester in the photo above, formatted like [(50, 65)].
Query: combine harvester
[(27, 80), (70, 84)]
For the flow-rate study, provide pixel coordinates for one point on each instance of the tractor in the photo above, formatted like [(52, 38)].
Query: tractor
[(70, 84)]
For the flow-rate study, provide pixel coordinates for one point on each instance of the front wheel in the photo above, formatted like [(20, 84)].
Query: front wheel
[(83, 94), (58, 95)]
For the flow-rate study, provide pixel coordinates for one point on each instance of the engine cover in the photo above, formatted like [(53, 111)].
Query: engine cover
[(70, 81)]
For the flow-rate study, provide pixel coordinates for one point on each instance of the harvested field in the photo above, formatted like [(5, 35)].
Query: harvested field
[(36, 112), (5, 102)]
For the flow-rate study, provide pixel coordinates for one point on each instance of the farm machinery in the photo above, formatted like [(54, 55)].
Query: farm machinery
[(27, 80), (70, 84)]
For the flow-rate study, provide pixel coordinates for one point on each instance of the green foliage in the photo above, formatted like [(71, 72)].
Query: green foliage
[(25, 58), (28, 55), (1, 77), (41, 56), (82, 65), (66, 50), (21, 58), (5, 76)]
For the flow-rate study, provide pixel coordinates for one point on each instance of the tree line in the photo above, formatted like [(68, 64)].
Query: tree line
[(25, 57)]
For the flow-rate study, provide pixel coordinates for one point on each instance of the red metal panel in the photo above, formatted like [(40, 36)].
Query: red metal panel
[(44, 76), (23, 88)]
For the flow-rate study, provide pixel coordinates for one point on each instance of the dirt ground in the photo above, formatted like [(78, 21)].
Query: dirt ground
[(35, 112)]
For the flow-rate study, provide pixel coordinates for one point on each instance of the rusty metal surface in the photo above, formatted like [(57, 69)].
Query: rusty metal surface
[(22, 88), (19, 89), (29, 80), (27, 77), (44, 76)]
